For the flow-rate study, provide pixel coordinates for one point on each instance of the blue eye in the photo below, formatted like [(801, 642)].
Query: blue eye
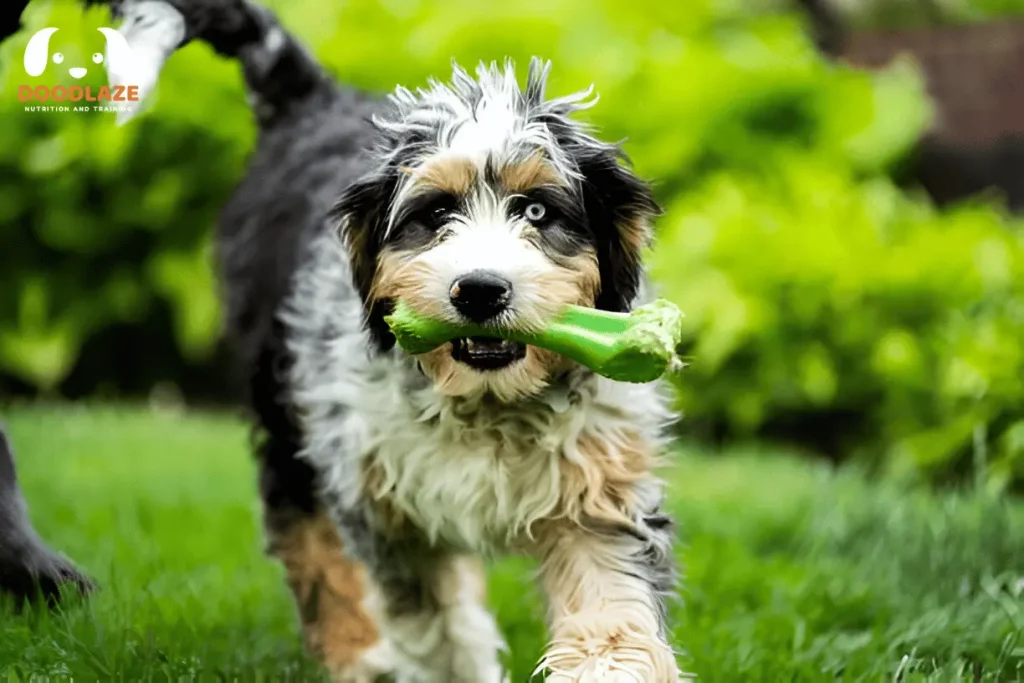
[(535, 212)]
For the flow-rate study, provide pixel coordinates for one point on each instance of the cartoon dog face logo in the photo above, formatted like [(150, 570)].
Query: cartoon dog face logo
[(37, 54)]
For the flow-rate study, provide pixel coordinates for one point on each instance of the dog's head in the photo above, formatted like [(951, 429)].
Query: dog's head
[(490, 204), (37, 53)]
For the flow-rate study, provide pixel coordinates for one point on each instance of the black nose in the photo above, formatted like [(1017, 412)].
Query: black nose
[(480, 295)]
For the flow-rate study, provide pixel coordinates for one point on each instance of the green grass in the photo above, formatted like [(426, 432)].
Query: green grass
[(794, 573)]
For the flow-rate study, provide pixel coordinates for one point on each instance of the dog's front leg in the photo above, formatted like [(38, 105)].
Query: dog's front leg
[(432, 606), (607, 589)]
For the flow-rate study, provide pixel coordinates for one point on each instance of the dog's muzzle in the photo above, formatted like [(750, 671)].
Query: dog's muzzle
[(480, 296)]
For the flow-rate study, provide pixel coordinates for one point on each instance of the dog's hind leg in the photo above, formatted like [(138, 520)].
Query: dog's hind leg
[(337, 603), (335, 600)]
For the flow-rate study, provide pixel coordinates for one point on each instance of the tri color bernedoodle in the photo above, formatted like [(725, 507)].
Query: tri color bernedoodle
[(386, 478)]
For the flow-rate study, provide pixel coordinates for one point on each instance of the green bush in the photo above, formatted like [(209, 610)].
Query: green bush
[(101, 224), (889, 13), (822, 302)]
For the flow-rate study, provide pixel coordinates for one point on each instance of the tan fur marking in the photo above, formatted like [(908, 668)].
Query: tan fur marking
[(450, 174), (331, 592), (524, 176), (389, 264), (588, 277), (635, 235), (577, 283), (599, 484), (441, 368), (399, 276), (391, 519)]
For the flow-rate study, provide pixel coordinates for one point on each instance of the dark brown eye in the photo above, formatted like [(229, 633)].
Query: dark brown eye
[(433, 213)]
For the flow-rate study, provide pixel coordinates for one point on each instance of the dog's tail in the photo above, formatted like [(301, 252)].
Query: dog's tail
[(278, 70)]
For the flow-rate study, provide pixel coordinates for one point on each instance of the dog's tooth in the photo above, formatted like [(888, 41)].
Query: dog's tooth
[(470, 344)]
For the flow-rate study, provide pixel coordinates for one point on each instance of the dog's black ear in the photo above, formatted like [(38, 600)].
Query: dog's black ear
[(620, 209), (361, 215)]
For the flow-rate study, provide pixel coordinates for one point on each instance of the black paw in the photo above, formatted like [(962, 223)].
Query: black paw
[(41, 574), (28, 568)]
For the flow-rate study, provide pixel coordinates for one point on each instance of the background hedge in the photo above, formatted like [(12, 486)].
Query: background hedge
[(825, 306)]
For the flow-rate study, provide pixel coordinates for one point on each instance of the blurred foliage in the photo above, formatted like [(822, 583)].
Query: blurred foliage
[(825, 306), (837, 307), (901, 13)]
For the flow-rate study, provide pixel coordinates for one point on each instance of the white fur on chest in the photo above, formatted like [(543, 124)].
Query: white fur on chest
[(474, 475), (475, 483), (478, 475)]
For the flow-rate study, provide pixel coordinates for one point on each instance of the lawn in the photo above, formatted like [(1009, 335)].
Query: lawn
[(794, 573)]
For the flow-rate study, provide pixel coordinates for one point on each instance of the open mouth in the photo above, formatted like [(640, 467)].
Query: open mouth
[(484, 353)]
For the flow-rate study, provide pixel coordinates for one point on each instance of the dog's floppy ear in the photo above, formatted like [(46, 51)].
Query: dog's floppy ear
[(38, 51), (619, 206), (361, 215), (620, 209)]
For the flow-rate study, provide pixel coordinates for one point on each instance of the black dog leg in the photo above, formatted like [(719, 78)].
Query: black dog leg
[(28, 568)]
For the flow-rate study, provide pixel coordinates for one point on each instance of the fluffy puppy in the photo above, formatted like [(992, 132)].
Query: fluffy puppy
[(386, 478)]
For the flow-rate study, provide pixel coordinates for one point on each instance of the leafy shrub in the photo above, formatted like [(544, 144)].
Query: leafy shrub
[(104, 225), (815, 289), (837, 312), (890, 13)]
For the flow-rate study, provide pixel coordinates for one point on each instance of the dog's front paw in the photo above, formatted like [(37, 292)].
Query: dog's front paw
[(599, 671), (369, 667), (614, 659)]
